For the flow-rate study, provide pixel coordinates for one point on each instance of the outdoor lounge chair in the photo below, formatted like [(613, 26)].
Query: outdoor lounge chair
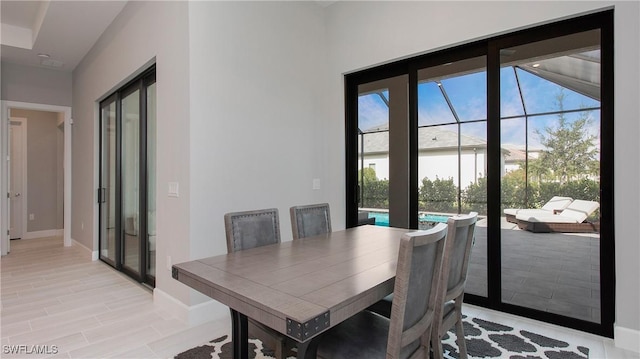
[(570, 220), (554, 205)]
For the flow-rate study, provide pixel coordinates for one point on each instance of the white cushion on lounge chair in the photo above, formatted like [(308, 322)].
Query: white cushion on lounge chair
[(527, 211), (548, 218), (557, 203), (554, 204), (576, 212), (580, 210)]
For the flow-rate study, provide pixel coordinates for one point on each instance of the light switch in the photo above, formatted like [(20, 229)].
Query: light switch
[(316, 183), (174, 189)]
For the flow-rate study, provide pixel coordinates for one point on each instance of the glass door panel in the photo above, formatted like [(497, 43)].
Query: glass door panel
[(107, 192), (452, 148), (373, 157), (473, 169), (151, 180), (131, 180), (438, 174), (550, 140), (382, 131)]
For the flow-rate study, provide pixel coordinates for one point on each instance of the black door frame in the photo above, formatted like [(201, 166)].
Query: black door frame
[(491, 47)]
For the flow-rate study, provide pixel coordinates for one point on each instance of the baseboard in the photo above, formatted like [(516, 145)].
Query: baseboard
[(192, 315), (627, 339), (42, 234), (92, 253)]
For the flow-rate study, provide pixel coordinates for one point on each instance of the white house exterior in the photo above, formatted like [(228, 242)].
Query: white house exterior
[(437, 157)]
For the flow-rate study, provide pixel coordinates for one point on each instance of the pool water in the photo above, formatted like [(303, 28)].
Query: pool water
[(382, 219)]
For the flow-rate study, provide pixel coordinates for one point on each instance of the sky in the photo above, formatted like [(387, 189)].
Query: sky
[(468, 96)]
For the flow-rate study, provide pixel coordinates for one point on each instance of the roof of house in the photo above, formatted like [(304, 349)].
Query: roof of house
[(517, 153), (429, 139)]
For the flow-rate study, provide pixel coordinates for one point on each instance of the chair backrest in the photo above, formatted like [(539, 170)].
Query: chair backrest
[(251, 229), (461, 230), (310, 220), (580, 210), (557, 203), (415, 292)]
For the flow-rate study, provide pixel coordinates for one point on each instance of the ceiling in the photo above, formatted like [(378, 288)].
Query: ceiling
[(63, 30)]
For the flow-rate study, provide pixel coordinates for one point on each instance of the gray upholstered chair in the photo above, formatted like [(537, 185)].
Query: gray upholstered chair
[(461, 230), (250, 229), (460, 234), (407, 333), (310, 220)]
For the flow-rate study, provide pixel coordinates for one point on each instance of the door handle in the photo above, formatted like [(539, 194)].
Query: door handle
[(17, 194)]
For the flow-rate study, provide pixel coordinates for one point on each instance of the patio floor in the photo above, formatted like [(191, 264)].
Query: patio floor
[(553, 272)]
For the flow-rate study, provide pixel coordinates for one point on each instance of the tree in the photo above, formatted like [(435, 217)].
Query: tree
[(369, 175), (570, 150)]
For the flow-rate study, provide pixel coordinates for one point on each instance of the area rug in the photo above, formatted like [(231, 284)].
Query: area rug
[(484, 339)]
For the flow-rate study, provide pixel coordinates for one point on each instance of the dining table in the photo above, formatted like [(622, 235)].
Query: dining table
[(299, 288)]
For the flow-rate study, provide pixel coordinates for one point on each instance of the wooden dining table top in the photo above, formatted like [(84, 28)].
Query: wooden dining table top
[(301, 287)]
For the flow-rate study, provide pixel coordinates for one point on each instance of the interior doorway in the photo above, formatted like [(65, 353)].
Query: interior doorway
[(17, 176), (61, 134)]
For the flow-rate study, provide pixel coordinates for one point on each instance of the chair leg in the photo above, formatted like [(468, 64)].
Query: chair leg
[(462, 344), (436, 346)]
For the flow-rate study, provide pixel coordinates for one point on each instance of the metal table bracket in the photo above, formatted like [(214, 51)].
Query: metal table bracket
[(304, 331)]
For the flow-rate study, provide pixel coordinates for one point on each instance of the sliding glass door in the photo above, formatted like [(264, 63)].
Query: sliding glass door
[(500, 127), (151, 178), (550, 127), (131, 180), (107, 192), (127, 204), (452, 150)]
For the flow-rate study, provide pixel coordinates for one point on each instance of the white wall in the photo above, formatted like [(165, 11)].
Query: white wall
[(363, 34), (257, 113), (257, 90), (35, 85), (141, 32)]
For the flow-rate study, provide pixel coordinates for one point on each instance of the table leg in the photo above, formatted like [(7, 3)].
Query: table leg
[(239, 335), (308, 349)]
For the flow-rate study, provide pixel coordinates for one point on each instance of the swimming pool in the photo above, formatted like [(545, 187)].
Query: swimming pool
[(382, 218)]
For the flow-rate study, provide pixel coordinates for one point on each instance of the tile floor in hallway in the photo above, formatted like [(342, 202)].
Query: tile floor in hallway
[(55, 295)]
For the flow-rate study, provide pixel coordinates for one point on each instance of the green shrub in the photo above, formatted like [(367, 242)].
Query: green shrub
[(440, 195)]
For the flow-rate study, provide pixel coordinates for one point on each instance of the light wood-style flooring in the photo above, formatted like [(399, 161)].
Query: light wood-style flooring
[(56, 296)]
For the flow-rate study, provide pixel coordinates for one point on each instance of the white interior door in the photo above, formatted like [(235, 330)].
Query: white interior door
[(17, 145)]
